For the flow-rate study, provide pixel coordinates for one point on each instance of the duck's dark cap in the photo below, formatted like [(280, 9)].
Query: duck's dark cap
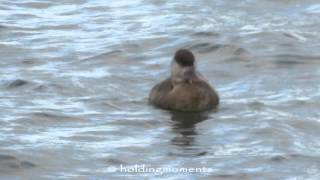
[(184, 57)]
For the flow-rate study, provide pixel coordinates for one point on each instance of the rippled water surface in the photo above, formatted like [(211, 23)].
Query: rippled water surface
[(75, 77)]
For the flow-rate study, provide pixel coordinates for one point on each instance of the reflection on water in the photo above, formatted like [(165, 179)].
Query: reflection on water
[(75, 77), (184, 125)]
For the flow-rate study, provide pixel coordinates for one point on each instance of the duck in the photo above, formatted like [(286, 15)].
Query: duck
[(186, 89)]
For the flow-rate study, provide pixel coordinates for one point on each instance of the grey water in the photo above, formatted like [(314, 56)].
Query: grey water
[(75, 78)]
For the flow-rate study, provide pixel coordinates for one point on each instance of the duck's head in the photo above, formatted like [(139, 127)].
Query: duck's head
[(183, 67), (184, 58)]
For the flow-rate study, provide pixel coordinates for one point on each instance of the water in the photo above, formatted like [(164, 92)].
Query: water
[(75, 77)]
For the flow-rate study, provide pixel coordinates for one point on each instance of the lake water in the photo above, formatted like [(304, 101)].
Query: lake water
[(75, 77)]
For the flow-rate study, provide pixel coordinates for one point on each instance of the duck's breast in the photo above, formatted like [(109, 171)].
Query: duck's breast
[(196, 96)]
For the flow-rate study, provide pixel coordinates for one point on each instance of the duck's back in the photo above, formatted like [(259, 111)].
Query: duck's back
[(196, 96)]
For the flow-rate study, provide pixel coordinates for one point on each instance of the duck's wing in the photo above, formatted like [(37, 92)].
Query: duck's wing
[(160, 91), (212, 97)]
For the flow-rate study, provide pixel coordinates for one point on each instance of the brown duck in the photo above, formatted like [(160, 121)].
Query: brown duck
[(185, 89)]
